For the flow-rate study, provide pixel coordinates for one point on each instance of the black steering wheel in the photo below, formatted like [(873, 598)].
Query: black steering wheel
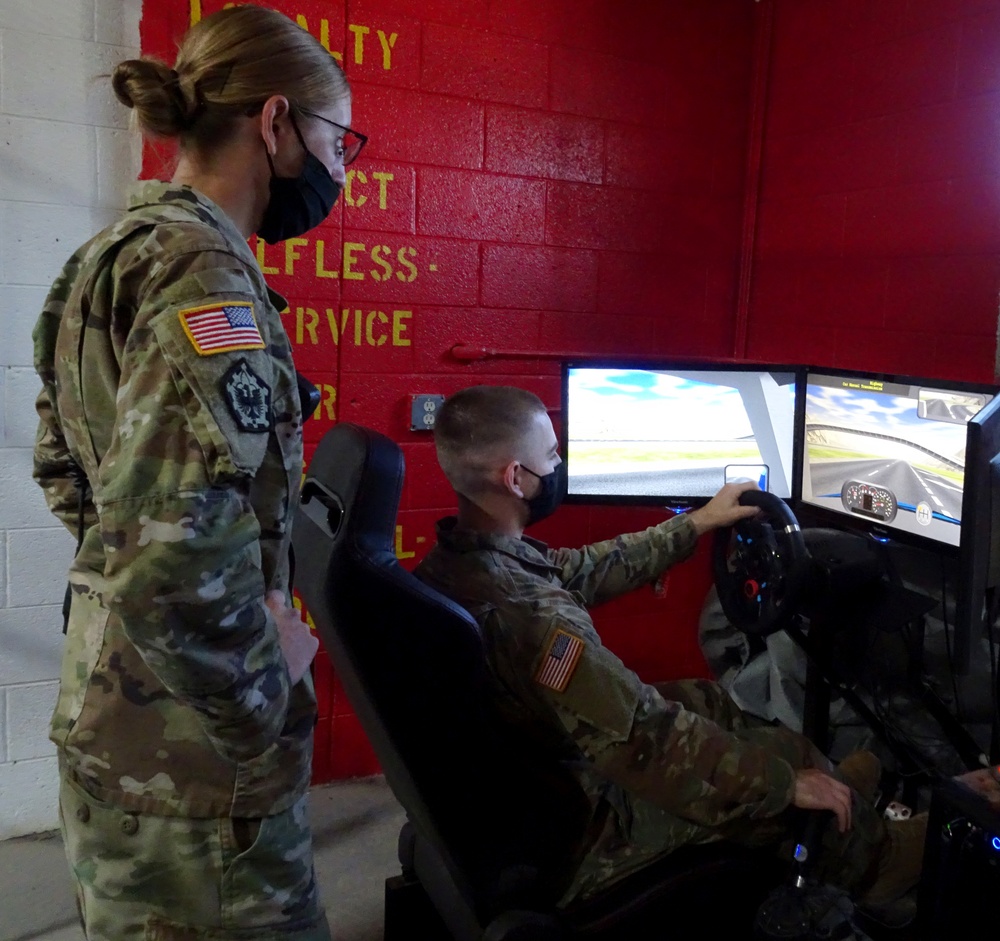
[(760, 566)]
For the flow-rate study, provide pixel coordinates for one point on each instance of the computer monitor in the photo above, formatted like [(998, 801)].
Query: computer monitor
[(675, 433), (887, 454), (979, 556)]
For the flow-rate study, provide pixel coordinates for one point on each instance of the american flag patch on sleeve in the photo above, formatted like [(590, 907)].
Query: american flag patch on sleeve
[(560, 661), (222, 327)]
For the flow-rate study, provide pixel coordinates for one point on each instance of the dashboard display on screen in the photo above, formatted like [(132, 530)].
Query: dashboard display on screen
[(888, 452), (676, 433)]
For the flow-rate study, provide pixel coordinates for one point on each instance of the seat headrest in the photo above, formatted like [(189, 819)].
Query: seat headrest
[(358, 478)]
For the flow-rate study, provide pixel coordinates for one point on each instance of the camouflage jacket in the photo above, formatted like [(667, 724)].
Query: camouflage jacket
[(554, 678), (168, 379)]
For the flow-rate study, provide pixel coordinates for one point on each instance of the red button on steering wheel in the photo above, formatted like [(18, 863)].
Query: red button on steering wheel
[(766, 552)]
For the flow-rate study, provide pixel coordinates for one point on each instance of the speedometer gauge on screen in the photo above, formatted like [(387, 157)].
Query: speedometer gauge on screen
[(889, 451)]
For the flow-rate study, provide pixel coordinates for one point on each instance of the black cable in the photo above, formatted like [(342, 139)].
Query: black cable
[(891, 733), (82, 486), (992, 610), (309, 399), (918, 746), (948, 642)]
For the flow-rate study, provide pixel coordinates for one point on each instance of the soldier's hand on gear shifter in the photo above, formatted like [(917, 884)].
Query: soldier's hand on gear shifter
[(298, 643), (815, 790), (724, 509)]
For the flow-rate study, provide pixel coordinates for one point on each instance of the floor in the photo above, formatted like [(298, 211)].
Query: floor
[(355, 825)]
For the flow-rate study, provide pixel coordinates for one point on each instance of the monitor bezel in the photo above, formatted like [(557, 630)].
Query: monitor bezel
[(979, 556), (678, 502), (813, 515)]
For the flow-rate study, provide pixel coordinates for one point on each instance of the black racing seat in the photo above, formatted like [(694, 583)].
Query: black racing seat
[(494, 825)]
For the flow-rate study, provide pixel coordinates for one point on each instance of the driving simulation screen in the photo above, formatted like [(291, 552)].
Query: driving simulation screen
[(677, 433), (888, 452)]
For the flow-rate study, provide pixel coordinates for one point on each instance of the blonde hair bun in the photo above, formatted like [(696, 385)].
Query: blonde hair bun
[(153, 90), (228, 62)]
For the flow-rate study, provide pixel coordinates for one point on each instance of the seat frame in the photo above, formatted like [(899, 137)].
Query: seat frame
[(493, 824)]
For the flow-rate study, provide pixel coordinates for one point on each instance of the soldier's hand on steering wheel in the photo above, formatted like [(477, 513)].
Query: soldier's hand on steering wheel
[(724, 509)]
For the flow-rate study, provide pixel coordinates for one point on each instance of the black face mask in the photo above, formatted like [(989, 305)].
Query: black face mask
[(298, 203), (550, 494)]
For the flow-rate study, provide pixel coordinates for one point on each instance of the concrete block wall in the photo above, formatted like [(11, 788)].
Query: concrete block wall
[(66, 160), (879, 222)]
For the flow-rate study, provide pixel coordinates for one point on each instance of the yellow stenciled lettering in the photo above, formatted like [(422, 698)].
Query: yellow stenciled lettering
[(297, 602), (400, 552), (358, 320), (305, 322), (291, 253), (265, 268), (369, 331), (324, 34), (387, 43), (400, 326), (404, 255), (350, 248), (359, 41), (321, 269), (336, 330), (384, 179), (349, 197), (327, 402), (386, 273)]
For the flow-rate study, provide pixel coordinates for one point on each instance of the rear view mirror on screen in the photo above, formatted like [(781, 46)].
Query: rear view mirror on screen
[(941, 405), (647, 435)]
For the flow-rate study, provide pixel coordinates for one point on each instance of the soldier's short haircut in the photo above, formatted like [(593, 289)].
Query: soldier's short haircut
[(480, 427)]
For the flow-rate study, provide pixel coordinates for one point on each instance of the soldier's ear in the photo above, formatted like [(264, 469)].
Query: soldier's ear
[(511, 479), (271, 124)]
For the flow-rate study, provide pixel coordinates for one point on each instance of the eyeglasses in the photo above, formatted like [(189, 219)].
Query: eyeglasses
[(353, 142)]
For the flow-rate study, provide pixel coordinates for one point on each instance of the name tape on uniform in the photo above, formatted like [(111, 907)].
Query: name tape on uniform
[(222, 327), (560, 661)]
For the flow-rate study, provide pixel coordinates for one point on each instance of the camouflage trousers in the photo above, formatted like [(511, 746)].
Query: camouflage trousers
[(141, 877), (638, 832)]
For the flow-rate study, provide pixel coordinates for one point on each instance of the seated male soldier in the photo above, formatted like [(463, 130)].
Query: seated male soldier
[(668, 765)]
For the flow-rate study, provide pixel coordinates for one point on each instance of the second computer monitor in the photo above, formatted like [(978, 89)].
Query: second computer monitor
[(888, 452)]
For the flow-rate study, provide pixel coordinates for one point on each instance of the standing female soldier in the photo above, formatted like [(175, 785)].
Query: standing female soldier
[(170, 435)]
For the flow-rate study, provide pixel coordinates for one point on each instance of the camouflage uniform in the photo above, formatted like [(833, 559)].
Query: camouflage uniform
[(667, 765), (168, 379)]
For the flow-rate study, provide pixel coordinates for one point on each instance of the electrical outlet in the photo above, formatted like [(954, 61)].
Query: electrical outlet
[(423, 411)]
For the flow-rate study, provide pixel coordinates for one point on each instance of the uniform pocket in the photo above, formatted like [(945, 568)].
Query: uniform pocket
[(245, 831), (269, 882), (85, 638)]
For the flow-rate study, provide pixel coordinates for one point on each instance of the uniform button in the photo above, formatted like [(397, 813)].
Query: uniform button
[(130, 825), (83, 813)]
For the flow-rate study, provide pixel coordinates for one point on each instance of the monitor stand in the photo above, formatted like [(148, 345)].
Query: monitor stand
[(855, 591)]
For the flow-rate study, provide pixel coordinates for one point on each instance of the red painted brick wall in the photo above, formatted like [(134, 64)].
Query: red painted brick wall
[(879, 228), (542, 176)]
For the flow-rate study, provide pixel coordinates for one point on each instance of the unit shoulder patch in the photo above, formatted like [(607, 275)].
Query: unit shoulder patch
[(560, 660), (223, 327), (248, 397)]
